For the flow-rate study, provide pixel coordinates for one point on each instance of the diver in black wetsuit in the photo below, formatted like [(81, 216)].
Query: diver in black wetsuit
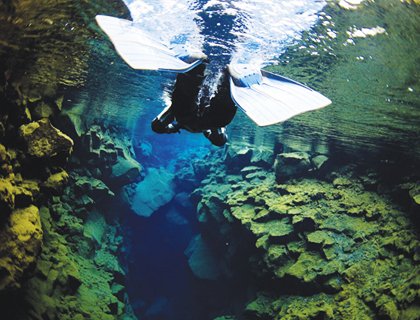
[(187, 112)]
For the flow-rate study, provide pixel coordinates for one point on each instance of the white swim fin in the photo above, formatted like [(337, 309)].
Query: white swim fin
[(140, 51), (268, 98)]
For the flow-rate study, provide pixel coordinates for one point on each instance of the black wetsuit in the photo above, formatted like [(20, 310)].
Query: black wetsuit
[(186, 112)]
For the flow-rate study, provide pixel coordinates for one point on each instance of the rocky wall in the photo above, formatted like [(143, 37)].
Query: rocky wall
[(324, 240), (59, 240)]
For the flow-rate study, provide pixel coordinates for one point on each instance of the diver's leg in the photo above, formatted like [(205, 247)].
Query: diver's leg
[(222, 109), (184, 96), (217, 136), (165, 122)]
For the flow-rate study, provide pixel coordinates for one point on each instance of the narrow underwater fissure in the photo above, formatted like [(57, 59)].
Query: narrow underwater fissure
[(160, 282)]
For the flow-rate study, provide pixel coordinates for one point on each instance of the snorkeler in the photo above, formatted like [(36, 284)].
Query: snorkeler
[(190, 112), (265, 97)]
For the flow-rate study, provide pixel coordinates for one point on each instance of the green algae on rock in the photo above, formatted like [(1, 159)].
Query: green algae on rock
[(335, 238), (20, 244), (50, 271), (112, 152), (43, 140)]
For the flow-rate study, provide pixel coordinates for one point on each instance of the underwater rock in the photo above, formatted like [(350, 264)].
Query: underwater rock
[(43, 110), (94, 227), (175, 217), (100, 146), (159, 308), (183, 200), (57, 181), (7, 196), (321, 237), (340, 247), (72, 124), (45, 50), (260, 308), (111, 152), (153, 192), (416, 199), (125, 171), (201, 259), (4, 157), (252, 172), (20, 244), (44, 141), (414, 193), (26, 192), (319, 161), (72, 280), (262, 157), (238, 156), (118, 290), (291, 165), (95, 188)]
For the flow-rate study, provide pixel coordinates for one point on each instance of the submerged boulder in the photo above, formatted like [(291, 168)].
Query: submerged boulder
[(156, 190), (262, 157), (238, 157), (125, 170), (291, 165), (57, 181), (319, 161), (112, 152), (202, 260), (7, 197), (20, 244), (94, 188), (44, 141)]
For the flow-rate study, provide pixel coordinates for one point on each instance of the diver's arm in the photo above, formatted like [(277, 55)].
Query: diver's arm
[(165, 122)]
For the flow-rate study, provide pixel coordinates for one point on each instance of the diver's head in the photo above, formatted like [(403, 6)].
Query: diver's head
[(218, 136)]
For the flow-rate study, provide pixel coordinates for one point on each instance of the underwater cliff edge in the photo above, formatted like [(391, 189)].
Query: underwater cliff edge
[(313, 219)]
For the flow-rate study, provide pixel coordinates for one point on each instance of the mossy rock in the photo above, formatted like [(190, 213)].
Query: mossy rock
[(308, 267), (260, 309), (319, 306), (57, 181), (7, 196), (243, 213), (274, 228), (323, 238), (44, 141), (20, 245)]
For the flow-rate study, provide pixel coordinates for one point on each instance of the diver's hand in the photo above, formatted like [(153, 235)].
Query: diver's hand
[(173, 127)]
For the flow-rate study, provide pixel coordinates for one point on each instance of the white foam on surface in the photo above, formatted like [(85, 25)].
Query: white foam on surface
[(261, 30)]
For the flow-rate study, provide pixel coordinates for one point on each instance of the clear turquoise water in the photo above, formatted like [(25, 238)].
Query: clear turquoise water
[(373, 82)]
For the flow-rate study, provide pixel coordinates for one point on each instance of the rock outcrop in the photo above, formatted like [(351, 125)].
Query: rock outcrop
[(112, 153), (20, 244), (44, 141), (58, 241), (335, 248), (156, 190), (20, 227), (202, 261)]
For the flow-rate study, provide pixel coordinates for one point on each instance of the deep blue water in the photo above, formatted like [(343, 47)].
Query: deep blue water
[(159, 281)]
